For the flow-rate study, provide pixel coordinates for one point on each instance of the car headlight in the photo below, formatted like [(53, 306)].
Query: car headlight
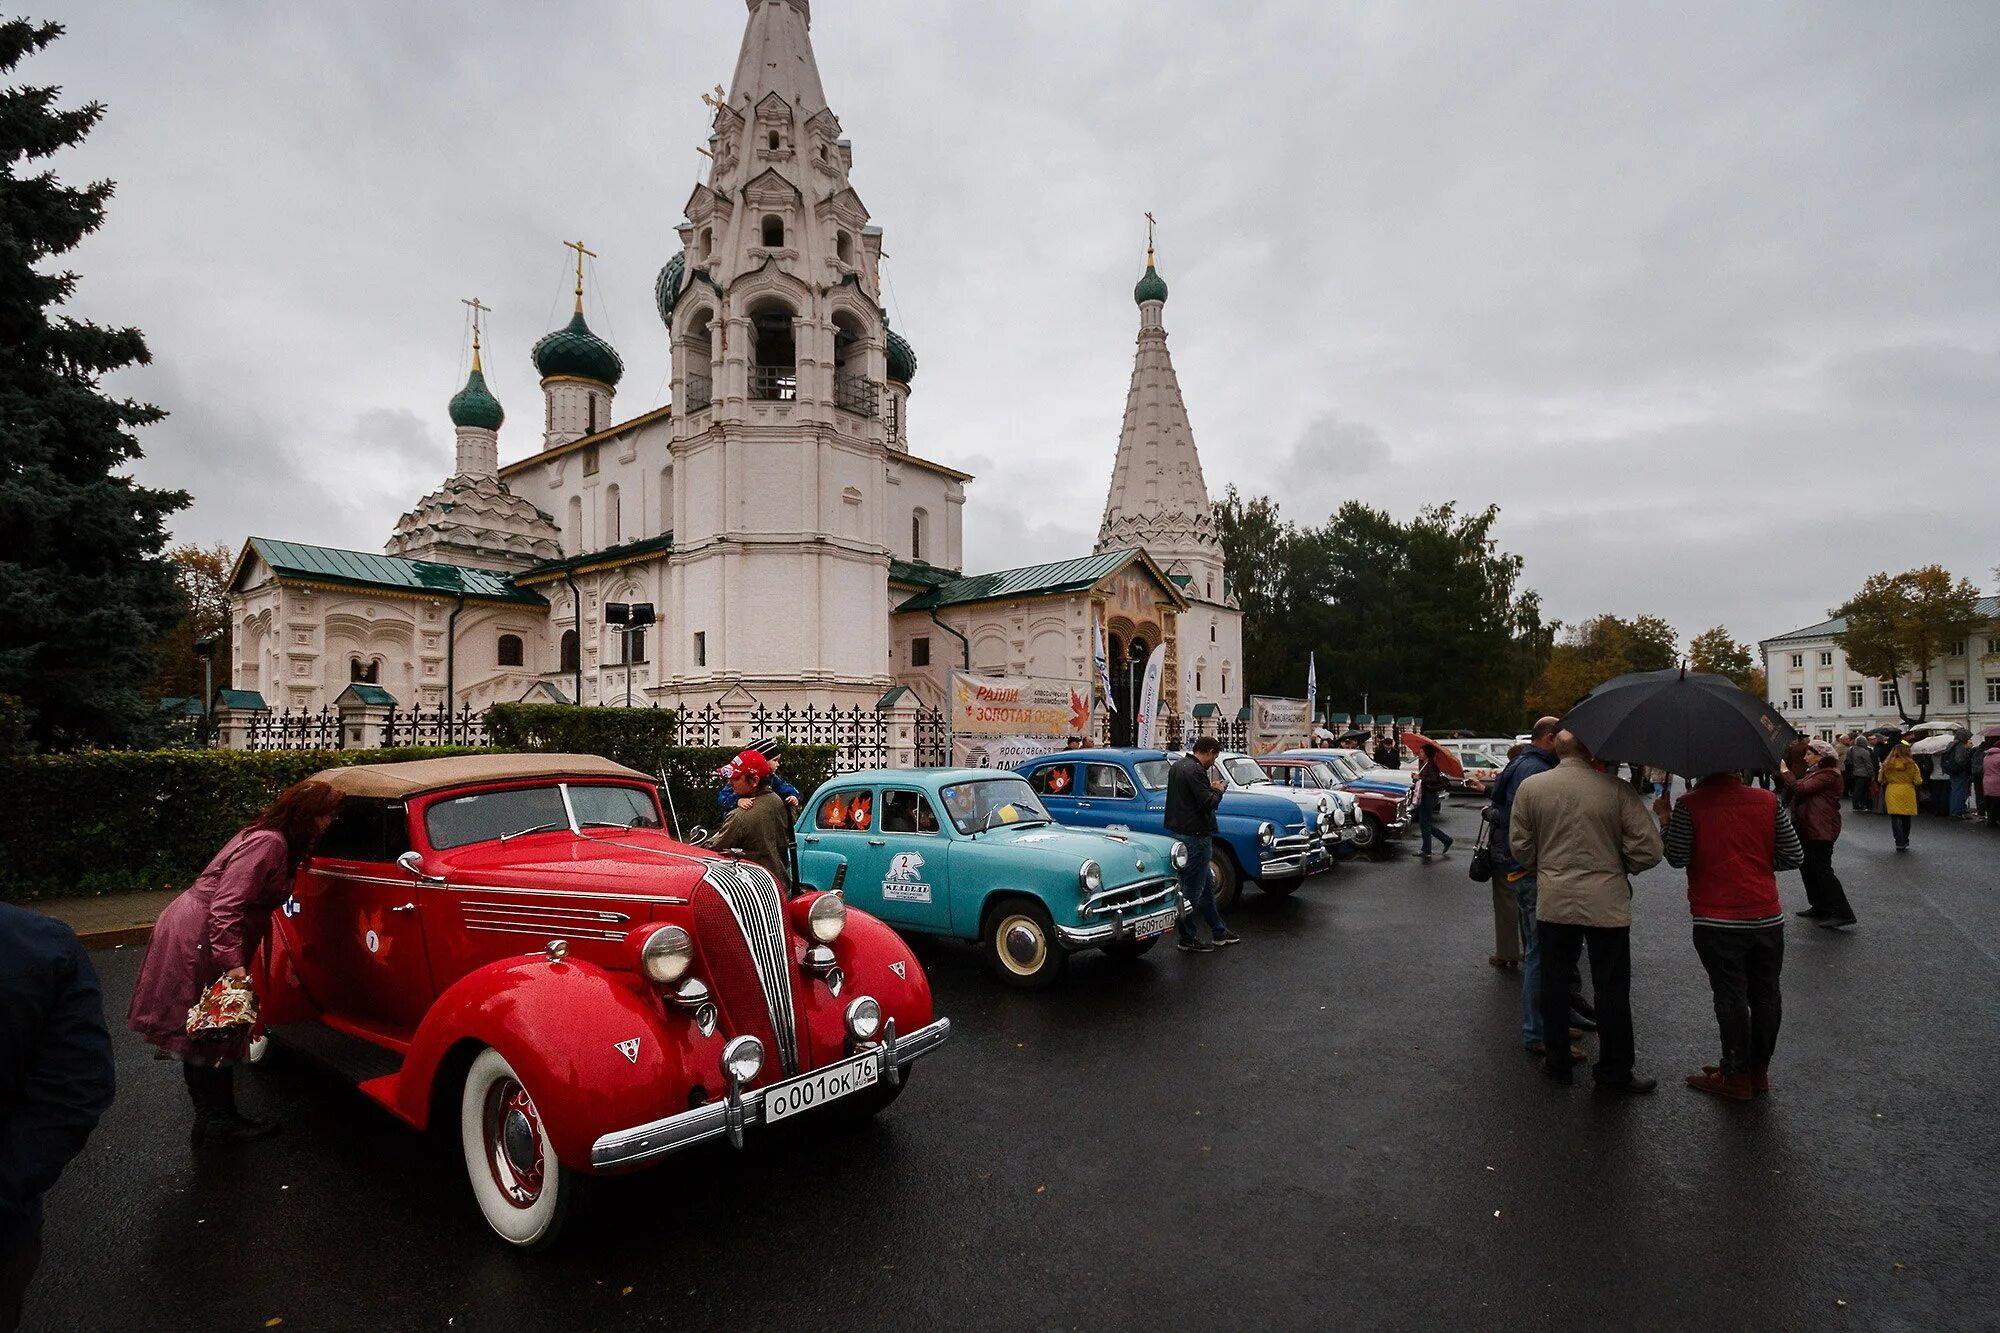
[(666, 955), (1266, 835), (1325, 808), (864, 1018), (827, 917), (743, 1058), (1090, 877), (1179, 856)]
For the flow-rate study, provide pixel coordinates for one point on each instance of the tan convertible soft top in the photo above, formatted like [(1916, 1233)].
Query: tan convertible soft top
[(422, 775)]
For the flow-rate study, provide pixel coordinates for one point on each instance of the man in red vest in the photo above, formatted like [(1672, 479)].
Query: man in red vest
[(1733, 839)]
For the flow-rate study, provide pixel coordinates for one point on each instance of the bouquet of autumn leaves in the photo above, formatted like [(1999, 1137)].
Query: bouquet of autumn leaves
[(227, 1008)]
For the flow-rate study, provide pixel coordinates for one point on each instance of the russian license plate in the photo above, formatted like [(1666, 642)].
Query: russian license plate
[(816, 1089), (1159, 923)]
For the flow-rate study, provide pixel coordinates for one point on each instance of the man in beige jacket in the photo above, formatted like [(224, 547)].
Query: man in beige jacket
[(1583, 834)]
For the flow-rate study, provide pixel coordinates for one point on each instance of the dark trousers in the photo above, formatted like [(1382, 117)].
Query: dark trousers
[(1743, 968), (1824, 893), (1611, 988), (20, 1255), (1900, 826), (1857, 792)]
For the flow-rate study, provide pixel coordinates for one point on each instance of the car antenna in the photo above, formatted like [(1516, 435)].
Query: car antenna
[(673, 815)]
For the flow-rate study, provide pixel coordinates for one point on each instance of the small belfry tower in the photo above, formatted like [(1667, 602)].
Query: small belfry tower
[(580, 373), (1159, 502), (781, 394)]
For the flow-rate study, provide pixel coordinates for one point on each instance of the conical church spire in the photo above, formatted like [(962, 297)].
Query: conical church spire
[(777, 57), (1158, 499)]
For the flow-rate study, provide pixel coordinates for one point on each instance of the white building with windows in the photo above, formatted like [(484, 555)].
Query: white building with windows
[(795, 550), (1809, 680)]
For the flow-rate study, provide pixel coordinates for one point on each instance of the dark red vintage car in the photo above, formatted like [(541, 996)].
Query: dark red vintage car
[(516, 942)]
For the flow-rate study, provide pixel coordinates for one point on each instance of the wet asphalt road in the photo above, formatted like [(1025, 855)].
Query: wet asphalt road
[(1332, 1125)]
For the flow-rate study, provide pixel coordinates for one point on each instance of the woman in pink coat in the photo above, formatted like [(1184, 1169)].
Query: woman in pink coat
[(213, 928), (1989, 780)]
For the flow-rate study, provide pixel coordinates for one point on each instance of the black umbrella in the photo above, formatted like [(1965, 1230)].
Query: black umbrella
[(1689, 723)]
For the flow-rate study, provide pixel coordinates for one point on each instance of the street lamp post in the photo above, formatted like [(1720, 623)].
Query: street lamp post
[(205, 648)]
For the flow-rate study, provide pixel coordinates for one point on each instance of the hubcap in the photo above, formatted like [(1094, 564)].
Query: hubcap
[(514, 1143), (1023, 948)]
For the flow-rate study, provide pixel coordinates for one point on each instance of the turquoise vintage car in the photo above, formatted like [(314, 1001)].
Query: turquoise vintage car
[(971, 853)]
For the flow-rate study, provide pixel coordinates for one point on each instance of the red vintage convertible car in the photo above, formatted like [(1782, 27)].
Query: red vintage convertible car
[(515, 942)]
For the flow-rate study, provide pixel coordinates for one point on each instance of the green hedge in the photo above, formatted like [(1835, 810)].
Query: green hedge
[(120, 820)]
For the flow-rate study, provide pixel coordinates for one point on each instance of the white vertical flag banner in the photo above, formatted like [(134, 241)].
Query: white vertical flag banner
[(1104, 670), (1312, 694), (1147, 721)]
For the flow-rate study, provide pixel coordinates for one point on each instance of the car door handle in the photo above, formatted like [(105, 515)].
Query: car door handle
[(878, 842), (1083, 805), (810, 837), (406, 907)]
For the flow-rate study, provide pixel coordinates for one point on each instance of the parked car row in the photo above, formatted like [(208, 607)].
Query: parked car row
[(519, 945)]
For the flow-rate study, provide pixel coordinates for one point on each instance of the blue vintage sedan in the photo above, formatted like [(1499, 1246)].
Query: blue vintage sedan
[(971, 853)]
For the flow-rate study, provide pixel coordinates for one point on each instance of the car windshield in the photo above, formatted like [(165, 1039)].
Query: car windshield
[(1152, 773), (1362, 760), (990, 803), (1338, 763), (495, 816), (1477, 759), (1244, 772)]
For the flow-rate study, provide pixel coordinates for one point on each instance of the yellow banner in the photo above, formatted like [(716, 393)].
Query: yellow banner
[(1017, 706)]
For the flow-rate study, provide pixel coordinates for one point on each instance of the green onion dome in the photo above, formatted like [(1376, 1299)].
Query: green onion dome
[(902, 357), (1152, 287), (475, 405), (667, 290), (575, 350)]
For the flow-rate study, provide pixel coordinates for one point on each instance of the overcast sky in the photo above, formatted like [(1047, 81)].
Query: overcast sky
[(1706, 296)]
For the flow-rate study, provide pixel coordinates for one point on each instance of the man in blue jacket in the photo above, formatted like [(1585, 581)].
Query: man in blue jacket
[(1539, 757), (55, 1081)]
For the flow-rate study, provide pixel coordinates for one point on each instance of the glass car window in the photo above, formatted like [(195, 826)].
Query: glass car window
[(861, 811), (907, 812), (617, 807), (1362, 760), (1152, 774), (991, 803), (359, 831), (833, 812), (1244, 772), (1107, 780), (487, 815), (1053, 779)]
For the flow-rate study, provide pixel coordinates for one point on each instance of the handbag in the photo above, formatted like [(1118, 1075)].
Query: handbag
[(227, 1009), (1480, 868)]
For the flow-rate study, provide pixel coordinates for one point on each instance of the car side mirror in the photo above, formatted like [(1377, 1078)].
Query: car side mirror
[(413, 862)]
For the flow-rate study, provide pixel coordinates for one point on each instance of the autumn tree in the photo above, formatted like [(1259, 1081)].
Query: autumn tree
[(1899, 625), (1590, 653), (1714, 651), (201, 574), (84, 592)]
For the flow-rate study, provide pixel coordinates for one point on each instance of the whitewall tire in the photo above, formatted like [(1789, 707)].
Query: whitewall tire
[(522, 1189)]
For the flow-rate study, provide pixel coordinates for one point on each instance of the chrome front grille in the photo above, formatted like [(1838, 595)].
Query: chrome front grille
[(752, 897)]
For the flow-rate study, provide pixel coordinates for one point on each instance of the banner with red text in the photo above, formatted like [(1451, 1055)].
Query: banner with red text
[(1020, 706)]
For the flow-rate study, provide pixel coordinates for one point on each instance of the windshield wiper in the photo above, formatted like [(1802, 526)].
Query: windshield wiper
[(538, 828), (606, 823)]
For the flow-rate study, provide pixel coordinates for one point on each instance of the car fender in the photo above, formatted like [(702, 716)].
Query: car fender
[(595, 1051), (874, 961)]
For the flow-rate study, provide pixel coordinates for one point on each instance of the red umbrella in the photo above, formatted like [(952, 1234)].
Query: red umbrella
[(1425, 747)]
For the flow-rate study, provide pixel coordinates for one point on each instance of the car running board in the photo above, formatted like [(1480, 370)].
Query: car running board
[(354, 1058)]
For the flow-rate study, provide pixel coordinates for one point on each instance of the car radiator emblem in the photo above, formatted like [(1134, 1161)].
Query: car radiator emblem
[(630, 1050), (897, 968)]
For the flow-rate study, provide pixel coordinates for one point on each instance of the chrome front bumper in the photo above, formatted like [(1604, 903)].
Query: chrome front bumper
[(1293, 856), (1118, 900), (642, 1143)]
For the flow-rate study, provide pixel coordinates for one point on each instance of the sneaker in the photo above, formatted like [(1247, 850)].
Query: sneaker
[(1224, 941), (1194, 946)]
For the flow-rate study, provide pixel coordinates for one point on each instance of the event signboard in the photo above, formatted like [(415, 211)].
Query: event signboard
[(1001, 721), (1278, 724)]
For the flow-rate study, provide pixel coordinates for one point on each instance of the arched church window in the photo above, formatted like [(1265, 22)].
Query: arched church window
[(667, 501), (775, 377), (511, 651), (573, 530), (843, 244), (920, 523), (774, 230), (852, 391), (364, 673), (570, 657), (1211, 631), (614, 528), (590, 410), (707, 245), (773, 141)]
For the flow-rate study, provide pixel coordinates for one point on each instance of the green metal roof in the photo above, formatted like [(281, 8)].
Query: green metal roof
[(1206, 710), (920, 573), (902, 357), (1332, 718), (248, 700), (372, 696), (892, 697), (574, 350), (475, 405), (388, 573), (183, 707), (1243, 714), (610, 555), (1152, 287), (1182, 580), (667, 287), (1028, 581)]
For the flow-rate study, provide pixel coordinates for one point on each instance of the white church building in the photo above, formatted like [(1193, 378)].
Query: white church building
[(794, 548)]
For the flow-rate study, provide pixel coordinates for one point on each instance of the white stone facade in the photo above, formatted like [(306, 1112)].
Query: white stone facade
[(1809, 680)]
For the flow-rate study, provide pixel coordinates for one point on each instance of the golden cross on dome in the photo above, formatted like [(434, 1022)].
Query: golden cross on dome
[(478, 308), (580, 253), (1149, 240), (715, 99)]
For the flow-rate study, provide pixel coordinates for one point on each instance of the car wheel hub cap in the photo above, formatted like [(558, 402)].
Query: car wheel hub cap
[(514, 1144), (1022, 945)]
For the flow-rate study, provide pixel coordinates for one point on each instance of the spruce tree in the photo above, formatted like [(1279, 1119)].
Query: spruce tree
[(84, 590)]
